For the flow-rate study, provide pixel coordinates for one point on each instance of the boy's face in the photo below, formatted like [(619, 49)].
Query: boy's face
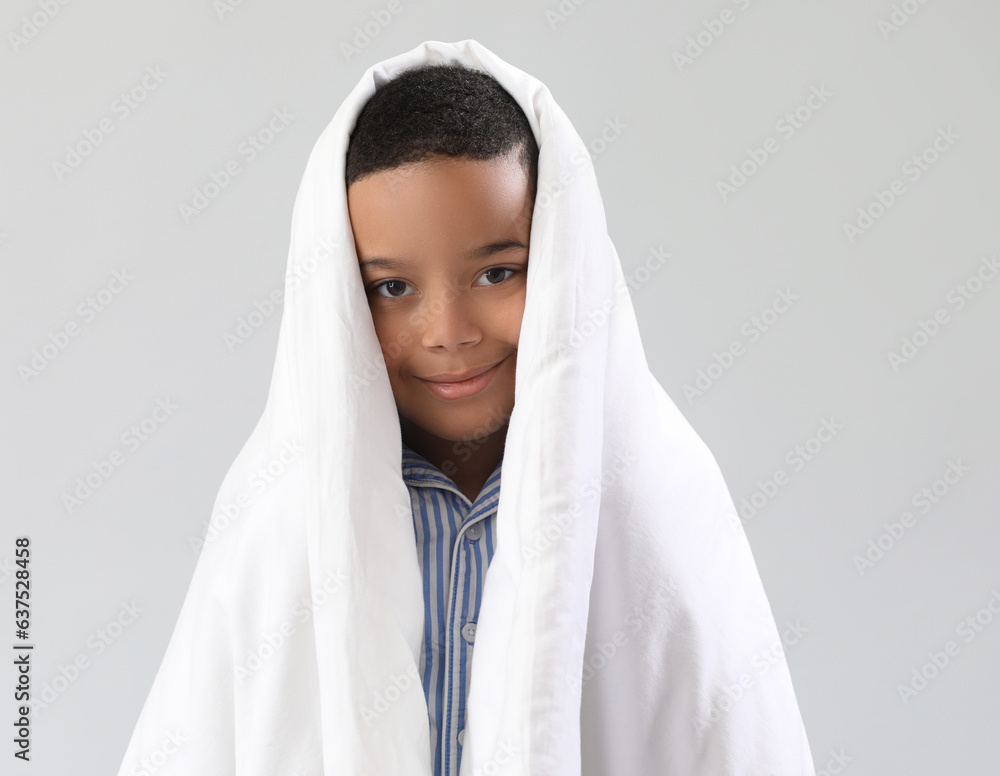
[(443, 247)]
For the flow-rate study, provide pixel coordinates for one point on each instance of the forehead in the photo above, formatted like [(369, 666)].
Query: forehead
[(443, 204)]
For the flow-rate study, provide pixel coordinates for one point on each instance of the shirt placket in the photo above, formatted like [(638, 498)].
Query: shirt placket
[(461, 633)]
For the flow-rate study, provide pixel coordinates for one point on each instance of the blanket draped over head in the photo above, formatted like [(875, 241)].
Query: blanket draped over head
[(624, 629)]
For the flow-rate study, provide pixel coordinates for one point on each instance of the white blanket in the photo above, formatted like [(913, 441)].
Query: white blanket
[(623, 630)]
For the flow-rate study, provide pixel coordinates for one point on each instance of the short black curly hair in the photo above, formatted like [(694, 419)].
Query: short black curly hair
[(442, 109)]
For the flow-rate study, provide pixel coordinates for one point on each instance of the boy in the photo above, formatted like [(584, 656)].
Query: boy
[(621, 626), (440, 185)]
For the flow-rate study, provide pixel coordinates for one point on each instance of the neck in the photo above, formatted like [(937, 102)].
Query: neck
[(468, 464)]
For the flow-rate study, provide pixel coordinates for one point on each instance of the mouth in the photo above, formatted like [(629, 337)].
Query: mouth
[(462, 385)]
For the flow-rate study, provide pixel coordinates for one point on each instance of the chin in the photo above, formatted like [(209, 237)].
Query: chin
[(472, 425), (466, 432)]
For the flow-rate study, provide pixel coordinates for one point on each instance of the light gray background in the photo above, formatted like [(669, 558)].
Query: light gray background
[(861, 635)]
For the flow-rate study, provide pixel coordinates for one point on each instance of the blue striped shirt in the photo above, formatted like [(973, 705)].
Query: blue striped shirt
[(455, 542)]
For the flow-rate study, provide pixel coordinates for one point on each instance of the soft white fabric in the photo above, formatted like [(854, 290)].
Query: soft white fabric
[(618, 545)]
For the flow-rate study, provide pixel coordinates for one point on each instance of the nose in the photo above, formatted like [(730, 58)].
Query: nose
[(448, 321)]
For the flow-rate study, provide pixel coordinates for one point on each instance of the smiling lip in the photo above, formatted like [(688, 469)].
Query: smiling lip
[(458, 386)]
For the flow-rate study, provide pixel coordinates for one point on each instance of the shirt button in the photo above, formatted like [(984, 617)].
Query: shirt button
[(469, 632), (461, 735), (474, 531)]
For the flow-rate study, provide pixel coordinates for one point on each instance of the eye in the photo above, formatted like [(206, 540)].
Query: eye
[(499, 269), (386, 284), (399, 285)]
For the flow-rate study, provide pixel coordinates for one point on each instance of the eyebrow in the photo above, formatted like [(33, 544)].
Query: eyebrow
[(381, 262)]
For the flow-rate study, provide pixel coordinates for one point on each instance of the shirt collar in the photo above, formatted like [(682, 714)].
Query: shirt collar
[(418, 471)]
